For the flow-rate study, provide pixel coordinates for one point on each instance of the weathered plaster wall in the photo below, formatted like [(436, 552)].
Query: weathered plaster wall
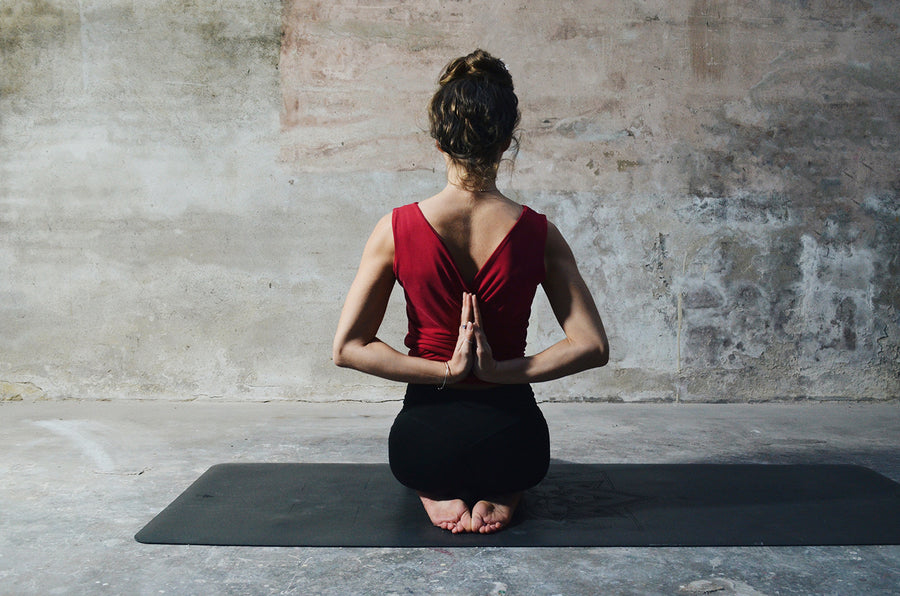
[(186, 186)]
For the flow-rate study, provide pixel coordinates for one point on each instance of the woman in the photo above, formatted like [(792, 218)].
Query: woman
[(470, 437)]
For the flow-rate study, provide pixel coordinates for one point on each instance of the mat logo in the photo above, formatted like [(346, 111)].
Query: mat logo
[(594, 498)]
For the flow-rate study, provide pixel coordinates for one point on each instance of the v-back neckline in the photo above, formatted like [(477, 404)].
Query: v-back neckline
[(470, 284)]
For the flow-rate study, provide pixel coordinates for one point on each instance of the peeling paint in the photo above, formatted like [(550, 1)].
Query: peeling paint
[(10, 391)]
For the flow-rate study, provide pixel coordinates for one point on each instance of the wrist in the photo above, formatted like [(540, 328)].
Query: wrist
[(493, 374), (446, 376), (457, 372), (498, 372)]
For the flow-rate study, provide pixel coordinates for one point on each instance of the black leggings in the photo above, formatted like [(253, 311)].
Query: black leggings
[(469, 444)]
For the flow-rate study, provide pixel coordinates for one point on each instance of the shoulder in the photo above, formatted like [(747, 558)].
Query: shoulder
[(384, 223), (405, 213), (396, 216), (536, 222), (381, 240), (409, 207), (536, 215), (556, 247), (385, 234)]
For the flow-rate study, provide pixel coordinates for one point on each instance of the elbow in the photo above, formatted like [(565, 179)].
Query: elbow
[(592, 353), (339, 356), (599, 354), (603, 358), (349, 353)]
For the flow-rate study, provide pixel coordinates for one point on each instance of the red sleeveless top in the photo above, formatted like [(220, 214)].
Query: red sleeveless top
[(505, 285)]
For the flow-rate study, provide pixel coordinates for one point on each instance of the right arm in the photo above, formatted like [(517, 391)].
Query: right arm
[(355, 343), (584, 346)]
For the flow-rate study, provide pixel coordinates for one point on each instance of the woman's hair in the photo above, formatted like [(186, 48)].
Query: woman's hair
[(474, 114)]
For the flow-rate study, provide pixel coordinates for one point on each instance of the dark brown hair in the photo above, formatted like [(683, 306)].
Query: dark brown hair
[(474, 114)]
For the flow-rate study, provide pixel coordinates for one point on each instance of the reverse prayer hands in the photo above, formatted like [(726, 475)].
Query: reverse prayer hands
[(484, 364), (463, 359)]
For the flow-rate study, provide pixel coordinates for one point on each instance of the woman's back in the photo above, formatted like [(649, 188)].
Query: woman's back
[(493, 250)]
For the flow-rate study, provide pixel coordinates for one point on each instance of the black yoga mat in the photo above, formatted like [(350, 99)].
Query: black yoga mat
[(360, 505)]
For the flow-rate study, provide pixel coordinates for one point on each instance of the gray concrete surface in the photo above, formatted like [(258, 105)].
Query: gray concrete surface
[(79, 478), (186, 187)]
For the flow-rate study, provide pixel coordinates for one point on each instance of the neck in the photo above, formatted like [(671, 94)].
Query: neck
[(455, 179), (487, 187)]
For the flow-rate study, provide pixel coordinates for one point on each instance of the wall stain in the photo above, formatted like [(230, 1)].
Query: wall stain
[(570, 29), (845, 313), (657, 265), (28, 32), (803, 147), (708, 33)]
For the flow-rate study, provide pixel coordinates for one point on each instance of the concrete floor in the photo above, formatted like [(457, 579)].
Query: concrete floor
[(79, 478)]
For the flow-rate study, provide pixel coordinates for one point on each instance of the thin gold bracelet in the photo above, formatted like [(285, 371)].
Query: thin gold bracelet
[(446, 375)]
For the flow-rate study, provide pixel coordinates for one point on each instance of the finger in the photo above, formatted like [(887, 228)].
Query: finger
[(476, 312), (479, 343), (483, 348), (465, 338), (462, 337), (466, 314), (465, 343), (479, 333)]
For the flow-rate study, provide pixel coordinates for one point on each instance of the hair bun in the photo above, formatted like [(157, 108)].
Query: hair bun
[(477, 65), (474, 114)]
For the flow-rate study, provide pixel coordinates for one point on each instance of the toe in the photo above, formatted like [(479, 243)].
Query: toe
[(477, 522), (466, 522)]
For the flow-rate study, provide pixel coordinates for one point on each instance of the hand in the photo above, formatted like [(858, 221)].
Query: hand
[(485, 365), (463, 358)]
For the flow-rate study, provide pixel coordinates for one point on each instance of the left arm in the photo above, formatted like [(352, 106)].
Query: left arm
[(355, 342)]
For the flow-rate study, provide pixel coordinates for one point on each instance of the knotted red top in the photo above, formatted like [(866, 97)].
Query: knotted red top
[(505, 285)]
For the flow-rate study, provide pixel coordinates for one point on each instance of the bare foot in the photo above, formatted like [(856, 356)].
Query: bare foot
[(449, 514), (490, 516)]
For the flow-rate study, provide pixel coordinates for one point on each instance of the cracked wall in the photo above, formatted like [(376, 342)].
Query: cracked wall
[(186, 186)]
